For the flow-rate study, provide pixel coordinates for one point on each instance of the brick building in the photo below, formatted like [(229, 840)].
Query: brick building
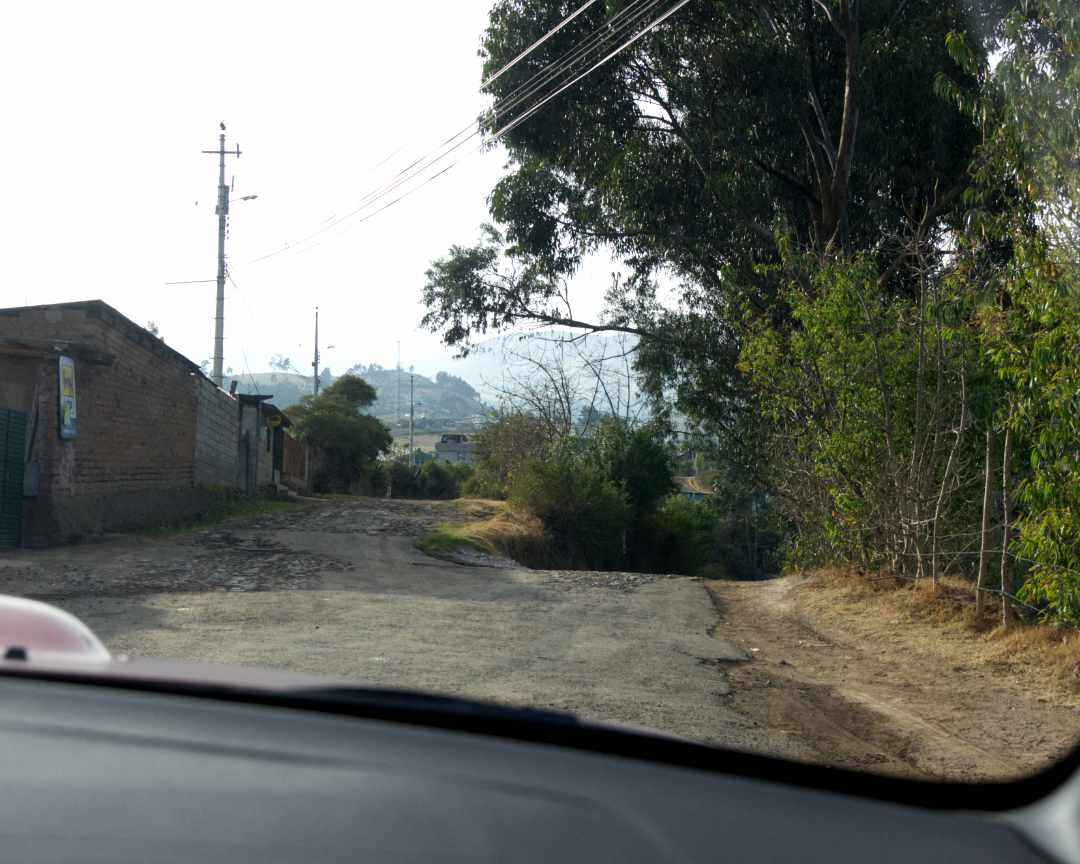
[(132, 433)]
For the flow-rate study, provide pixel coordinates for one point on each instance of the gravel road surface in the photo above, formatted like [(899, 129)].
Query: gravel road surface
[(339, 589)]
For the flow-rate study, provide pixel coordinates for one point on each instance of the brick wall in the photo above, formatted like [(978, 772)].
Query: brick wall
[(217, 432), (150, 433)]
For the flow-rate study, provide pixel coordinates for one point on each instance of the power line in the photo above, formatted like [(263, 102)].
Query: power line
[(610, 30), (243, 353), (614, 27), (538, 42), (517, 121), (523, 117)]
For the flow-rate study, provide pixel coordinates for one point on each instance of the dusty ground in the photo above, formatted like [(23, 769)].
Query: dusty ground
[(339, 588), (876, 693)]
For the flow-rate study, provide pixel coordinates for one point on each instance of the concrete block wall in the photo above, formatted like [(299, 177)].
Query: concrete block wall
[(217, 433), (258, 472)]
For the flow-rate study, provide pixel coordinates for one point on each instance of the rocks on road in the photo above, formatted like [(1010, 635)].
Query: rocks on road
[(339, 588)]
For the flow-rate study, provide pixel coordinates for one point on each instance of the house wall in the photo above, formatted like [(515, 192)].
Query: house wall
[(217, 433), (258, 472), (464, 453), (133, 461), (295, 470)]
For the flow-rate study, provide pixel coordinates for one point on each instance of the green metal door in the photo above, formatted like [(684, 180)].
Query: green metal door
[(12, 435)]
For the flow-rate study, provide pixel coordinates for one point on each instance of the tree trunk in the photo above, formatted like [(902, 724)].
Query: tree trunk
[(934, 574), (1006, 506), (984, 537)]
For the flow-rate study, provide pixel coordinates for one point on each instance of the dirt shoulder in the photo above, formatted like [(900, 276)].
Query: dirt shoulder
[(875, 686)]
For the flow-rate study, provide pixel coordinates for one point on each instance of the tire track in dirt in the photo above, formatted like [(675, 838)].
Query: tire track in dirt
[(876, 707)]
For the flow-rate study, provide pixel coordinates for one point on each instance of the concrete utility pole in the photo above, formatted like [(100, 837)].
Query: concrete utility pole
[(412, 458), (315, 363), (222, 212), (397, 376)]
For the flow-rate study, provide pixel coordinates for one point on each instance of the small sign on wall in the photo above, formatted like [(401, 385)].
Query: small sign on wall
[(68, 427)]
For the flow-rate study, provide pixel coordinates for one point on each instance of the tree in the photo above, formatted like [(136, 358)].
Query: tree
[(347, 442), (719, 149), (283, 363), (583, 509), (1025, 217)]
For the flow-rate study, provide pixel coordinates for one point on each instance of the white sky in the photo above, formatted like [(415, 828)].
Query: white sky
[(107, 105)]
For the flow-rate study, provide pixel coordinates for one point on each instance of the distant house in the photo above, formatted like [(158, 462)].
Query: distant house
[(456, 447)]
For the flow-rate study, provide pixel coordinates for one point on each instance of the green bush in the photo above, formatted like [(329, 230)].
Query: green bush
[(503, 446), (432, 480), (636, 459), (584, 512), (680, 537), (482, 483)]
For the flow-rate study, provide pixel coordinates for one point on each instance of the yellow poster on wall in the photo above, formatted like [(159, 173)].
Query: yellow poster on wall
[(68, 425)]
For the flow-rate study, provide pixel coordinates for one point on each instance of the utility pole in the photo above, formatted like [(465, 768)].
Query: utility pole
[(412, 458), (222, 212), (397, 399), (315, 362)]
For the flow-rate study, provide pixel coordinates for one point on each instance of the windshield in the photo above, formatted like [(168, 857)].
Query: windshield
[(710, 367)]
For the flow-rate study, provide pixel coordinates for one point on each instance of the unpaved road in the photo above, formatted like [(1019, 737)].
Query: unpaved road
[(338, 588)]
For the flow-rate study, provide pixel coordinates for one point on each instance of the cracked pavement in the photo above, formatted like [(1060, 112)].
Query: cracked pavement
[(338, 588)]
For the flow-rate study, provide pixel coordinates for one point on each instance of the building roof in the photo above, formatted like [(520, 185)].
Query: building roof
[(102, 311), (266, 407)]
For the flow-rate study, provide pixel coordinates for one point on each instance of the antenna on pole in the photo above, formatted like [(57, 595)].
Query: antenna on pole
[(222, 212)]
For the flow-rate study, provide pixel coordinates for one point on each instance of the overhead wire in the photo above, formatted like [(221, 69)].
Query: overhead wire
[(519, 120), (538, 43), (243, 299), (611, 29), (615, 26), (601, 38)]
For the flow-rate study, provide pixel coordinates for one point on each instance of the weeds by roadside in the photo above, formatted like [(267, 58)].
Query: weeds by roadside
[(493, 527), (221, 508), (1045, 654)]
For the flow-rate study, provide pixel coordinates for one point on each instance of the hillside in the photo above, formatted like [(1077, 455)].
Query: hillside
[(443, 403)]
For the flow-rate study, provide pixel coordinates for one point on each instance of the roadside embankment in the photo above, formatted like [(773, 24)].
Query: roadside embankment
[(875, 674), (489, 528)]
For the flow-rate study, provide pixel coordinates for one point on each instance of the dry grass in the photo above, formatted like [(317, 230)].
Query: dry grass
[(945, 620), (493, 527)]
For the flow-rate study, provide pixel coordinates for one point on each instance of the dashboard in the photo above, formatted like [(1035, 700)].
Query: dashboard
[(93, 773)]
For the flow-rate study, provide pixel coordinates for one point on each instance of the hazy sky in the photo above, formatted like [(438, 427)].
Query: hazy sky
[(108, 105)]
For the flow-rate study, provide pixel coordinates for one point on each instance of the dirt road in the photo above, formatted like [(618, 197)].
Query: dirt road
[(339, 588)]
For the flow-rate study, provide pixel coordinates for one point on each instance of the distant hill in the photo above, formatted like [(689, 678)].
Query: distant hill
[(458, 399), (443, 403)]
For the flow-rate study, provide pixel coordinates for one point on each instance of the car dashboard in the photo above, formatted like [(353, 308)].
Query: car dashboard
[(96, 773)]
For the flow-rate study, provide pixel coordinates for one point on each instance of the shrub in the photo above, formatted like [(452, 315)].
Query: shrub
[(585, 513), (637, 460), (680, 537), (432, 480), (502, 447)]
